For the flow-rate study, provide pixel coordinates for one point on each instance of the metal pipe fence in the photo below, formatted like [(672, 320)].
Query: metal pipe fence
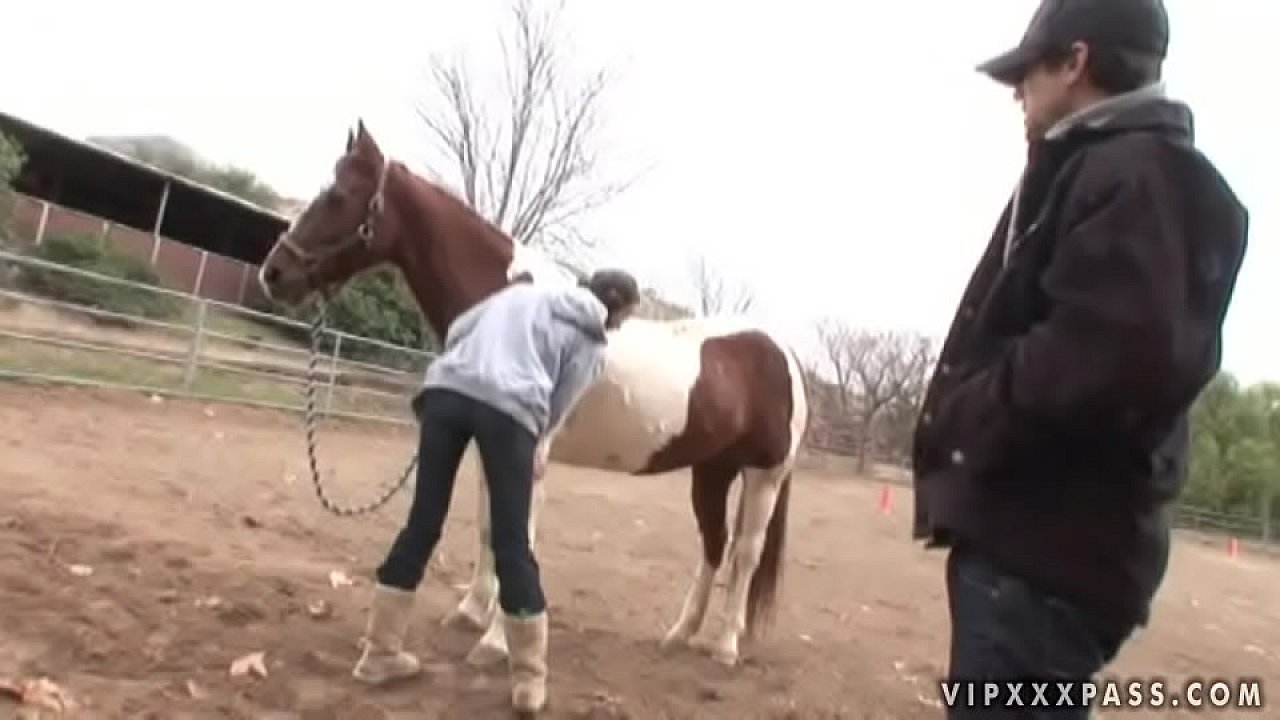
[(212, 350), (166, 342)]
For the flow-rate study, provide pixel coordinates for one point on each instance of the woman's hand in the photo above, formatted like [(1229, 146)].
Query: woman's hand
[(540, 454)]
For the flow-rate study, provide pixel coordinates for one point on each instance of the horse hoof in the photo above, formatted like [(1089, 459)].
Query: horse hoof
[(483, 655), (673, 642), (725, 656), (725, 659)]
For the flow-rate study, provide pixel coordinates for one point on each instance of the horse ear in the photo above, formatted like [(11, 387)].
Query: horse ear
[(351, 140), (365, 141)]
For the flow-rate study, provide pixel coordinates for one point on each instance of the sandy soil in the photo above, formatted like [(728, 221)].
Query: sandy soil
[(145, 546)]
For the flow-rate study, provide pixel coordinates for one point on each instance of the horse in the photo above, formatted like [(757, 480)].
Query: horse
[(718, 395)]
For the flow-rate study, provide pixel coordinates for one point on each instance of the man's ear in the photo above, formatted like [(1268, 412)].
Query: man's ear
[(1078, 60)]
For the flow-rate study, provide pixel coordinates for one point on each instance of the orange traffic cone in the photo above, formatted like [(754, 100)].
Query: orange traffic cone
[(886, 499), (1233, 548)]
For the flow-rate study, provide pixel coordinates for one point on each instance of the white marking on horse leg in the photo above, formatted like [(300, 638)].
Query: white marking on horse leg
[(477, 606), (759, 496), (694, 610), (491, 648)]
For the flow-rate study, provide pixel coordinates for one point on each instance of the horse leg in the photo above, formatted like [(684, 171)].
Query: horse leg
[(491, 648), (710, 495), (756, 555), (476, 609)]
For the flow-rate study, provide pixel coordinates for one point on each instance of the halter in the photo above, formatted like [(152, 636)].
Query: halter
[(364, 233)]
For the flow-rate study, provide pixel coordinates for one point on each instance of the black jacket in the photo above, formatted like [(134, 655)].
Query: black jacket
[(1054, 433)]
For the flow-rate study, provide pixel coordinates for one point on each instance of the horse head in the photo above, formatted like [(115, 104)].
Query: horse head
[(375, 211), (347, 227)]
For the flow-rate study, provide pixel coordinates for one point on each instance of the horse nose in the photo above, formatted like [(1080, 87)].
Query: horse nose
[(270, 275)]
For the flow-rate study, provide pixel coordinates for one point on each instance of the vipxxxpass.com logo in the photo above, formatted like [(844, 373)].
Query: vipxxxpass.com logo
[(1195, 694)]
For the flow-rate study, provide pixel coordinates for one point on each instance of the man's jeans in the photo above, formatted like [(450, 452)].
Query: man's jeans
[(1002, 630)]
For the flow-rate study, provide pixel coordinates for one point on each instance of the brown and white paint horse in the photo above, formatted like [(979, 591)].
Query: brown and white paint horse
[(717, 395)]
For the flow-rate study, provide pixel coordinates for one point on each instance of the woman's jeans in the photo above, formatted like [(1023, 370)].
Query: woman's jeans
[(449, 421)]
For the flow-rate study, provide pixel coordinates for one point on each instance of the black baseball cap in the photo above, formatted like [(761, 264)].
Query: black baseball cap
[(1140, 26)]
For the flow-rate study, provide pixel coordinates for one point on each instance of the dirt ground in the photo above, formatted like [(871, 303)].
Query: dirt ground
[(146, 545)]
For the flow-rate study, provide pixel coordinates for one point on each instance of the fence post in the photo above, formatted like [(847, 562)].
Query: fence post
[(333, 371), (44, 222), (197, 339)]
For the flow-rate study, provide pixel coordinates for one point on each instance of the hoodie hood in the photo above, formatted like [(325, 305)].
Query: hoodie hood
[(580, 308), (1147, 108)]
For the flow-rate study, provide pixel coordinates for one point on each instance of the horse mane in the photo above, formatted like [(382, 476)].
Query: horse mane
[(456, 207)]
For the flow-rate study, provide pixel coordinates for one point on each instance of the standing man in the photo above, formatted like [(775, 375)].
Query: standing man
[(1053, 437), (512, 369)]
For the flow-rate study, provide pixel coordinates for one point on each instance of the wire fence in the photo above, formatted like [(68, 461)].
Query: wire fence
[(836, 460), (1244, 527), (167, 342)]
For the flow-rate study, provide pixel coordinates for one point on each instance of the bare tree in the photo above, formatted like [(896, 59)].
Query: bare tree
[(530, 160), (897, 425), (874, 371), (716, 293)]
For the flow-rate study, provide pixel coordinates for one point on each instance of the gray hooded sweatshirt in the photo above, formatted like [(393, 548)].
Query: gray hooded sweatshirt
[(528, 350)]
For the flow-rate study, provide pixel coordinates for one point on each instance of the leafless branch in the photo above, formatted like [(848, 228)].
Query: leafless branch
[(874, 371), (716, 294), (530, 161)]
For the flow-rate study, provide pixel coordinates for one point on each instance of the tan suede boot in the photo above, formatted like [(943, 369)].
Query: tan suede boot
[(527, 660), (383, 658)]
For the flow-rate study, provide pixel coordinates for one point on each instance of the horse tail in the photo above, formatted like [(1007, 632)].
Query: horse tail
[(762, 593)]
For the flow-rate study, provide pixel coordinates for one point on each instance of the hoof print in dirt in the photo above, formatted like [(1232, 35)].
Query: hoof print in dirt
[(709, 694), (239, 614)]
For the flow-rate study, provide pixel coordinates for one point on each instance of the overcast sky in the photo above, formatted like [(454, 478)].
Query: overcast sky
[(842, 157)]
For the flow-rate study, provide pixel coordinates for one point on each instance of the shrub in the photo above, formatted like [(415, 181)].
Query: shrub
[(11, 160), (374, 305), (85, 252)]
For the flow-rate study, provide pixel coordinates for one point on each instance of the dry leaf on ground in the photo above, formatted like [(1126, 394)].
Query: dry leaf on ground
[(41, 693), (319, 609), (255, 663), (195, 691)]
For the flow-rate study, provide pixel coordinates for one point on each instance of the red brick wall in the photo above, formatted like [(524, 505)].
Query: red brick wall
[(26, 216), (178, 265)]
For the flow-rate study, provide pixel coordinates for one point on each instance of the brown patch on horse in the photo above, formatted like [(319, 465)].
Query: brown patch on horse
[(739, 415), (739, 408)]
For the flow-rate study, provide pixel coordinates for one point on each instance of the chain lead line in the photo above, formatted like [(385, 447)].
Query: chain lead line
[(317, 332)]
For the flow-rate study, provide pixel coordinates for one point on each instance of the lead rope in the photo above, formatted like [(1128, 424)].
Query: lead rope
[(317, 332)]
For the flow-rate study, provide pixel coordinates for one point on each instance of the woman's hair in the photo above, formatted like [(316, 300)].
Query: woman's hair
[(617, 289)]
